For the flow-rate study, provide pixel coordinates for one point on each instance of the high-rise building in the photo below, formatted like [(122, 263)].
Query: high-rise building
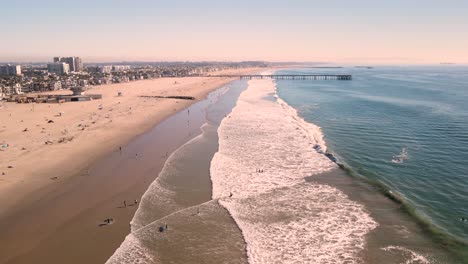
[(78, 64), (59, 68), (70, 61), (10, 69), (75, 63)]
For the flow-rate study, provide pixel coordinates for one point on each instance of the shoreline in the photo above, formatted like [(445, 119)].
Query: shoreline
[(49, 188), (181, 197)]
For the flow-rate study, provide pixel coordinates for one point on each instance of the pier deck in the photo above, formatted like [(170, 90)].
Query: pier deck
[(314, 77)]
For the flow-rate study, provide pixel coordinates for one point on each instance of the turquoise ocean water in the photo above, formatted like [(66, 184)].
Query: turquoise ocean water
[(405, 127)]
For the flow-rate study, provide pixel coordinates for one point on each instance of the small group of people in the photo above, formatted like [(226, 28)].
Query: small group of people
[(259, 170), (163, 228), (135, 202), (109, 221)]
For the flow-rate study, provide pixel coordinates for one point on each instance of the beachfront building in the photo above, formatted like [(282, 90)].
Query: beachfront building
[(15, 89), (10, 69), (40, 86), (2, 91), (55, 85), (68, 83), (58, 68), (102, 80), (83, 83)]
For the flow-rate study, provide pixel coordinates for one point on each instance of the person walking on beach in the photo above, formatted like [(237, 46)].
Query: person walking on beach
[(136, 201), (125, 204)]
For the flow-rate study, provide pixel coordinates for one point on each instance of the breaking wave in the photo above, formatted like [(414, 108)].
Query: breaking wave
[(265, 153)]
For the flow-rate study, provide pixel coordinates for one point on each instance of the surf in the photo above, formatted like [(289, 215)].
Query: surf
[(265, 153)]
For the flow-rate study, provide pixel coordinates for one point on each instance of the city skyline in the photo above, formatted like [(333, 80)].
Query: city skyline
[(397, 32)]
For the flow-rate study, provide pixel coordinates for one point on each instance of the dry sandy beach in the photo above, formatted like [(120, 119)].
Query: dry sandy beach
[(44, 163)]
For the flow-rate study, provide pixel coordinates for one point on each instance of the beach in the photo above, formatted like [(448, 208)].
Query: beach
[(51, 201), (238, 177), (258, 206), (177, 220), (275, 196)]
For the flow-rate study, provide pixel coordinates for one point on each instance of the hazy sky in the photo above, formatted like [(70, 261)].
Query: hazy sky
[(374, 31)]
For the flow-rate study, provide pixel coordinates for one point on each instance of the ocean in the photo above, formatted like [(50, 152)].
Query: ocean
[(257, 186), (404, 128)]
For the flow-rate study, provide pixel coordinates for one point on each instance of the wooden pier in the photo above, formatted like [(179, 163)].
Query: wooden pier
[(313, 77)]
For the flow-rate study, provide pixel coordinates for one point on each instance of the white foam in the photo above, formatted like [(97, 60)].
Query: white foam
[(283, 218), (132, 251), (411, 256), (401, 157)]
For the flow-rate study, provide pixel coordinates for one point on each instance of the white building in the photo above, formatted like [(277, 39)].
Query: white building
[(105, 69), (2, 91), (10, 69), (83, 83), (15, 89), (58, 68), (55, 85), (68, 83), (120, 67)]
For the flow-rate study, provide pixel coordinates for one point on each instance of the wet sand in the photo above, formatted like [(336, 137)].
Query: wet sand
[(60, 223), (202, 234), (200, 230)]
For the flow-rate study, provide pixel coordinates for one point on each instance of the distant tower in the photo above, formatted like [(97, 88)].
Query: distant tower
[(70, 61), (74, 63), (78, 64), (58, 68), (10, 69)]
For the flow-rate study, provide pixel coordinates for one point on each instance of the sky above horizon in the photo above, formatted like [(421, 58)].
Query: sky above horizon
[(342, 31)]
